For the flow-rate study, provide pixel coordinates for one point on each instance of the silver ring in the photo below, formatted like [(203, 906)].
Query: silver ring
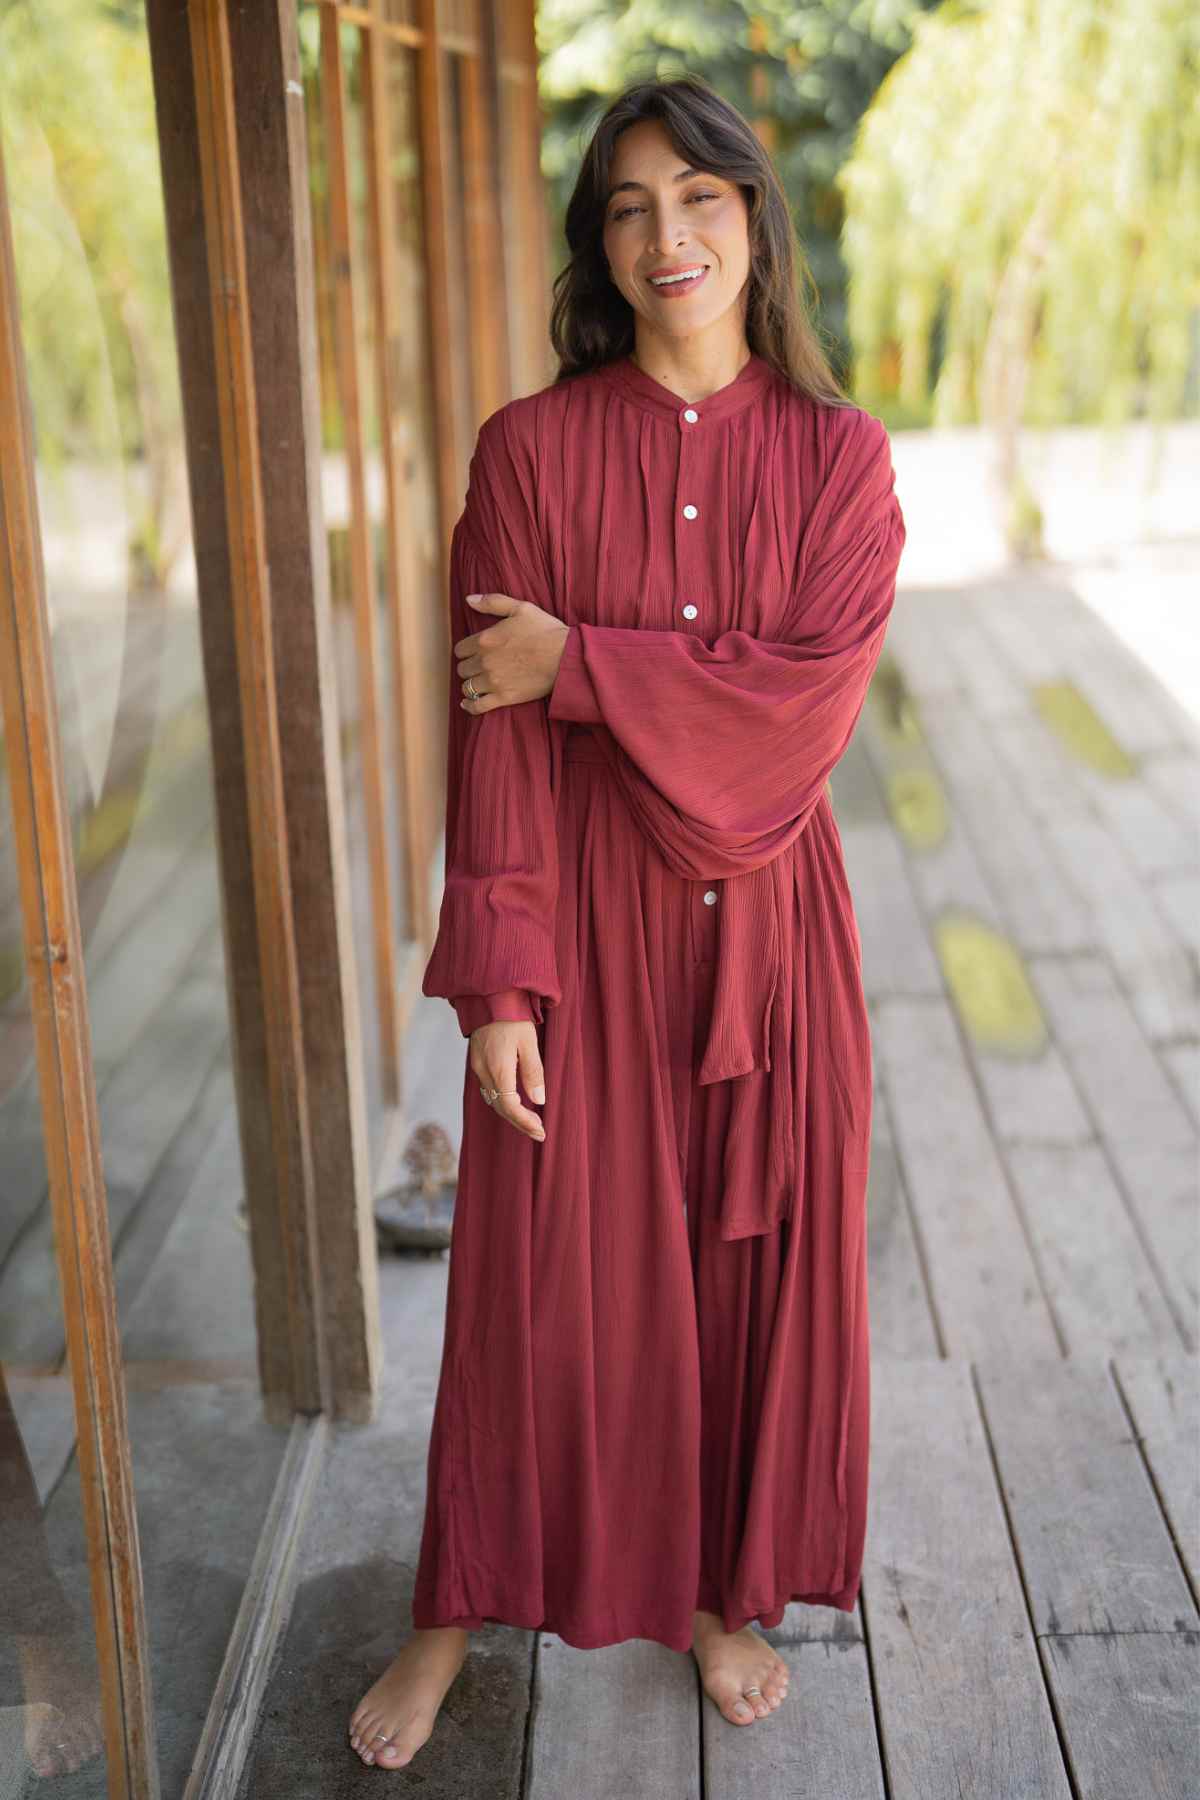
[(753, 1690), (381, 1740)]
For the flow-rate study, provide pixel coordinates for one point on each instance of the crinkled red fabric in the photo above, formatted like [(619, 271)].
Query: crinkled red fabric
[(680, 755)]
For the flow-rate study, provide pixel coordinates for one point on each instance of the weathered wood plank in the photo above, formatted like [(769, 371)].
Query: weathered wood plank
[(897, 955), (621, 1720), (1094, 1546), (1128, 1708), (822, 1739), (1039, 906), (902, 1320), (1182, 1062), (1145, 1130), (1105, 1291), (985, 1286), (962, 1706), (1163, 1397), (1154, 967)]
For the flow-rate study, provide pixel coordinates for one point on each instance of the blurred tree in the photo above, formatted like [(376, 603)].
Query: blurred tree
[(81, 152), (803, 72), (1021, 235)]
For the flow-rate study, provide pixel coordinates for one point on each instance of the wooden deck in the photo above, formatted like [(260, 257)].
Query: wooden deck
[(1019, 812)]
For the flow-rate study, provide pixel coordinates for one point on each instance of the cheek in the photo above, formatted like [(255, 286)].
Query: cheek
[(728, 234)]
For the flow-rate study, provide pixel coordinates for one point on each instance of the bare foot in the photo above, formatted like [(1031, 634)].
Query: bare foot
[(62, 1710), (394, 1718), (731, 1662)]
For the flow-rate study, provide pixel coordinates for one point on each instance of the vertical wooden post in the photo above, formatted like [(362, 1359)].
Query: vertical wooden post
[(58, 992), (485, 269), (363, 578), (235, 182), (254, 633)]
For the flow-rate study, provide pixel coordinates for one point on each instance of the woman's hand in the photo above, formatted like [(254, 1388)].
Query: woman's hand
[(495, 1052), (514, 660)]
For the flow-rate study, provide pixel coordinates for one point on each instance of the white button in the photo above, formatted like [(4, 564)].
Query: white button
[(690, 414), (710, 897), (689, 612), (689, 512)]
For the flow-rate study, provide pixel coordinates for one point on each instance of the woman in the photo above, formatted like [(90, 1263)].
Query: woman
[(670, 586)]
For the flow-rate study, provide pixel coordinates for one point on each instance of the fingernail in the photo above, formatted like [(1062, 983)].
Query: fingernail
[(472, 598), (538, 1095), (540, 1136)]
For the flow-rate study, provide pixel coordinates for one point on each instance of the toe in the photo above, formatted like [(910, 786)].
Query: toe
[(734, 1704)]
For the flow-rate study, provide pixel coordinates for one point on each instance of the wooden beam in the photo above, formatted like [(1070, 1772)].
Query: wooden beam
[(487, 298), (58, 995), (264, 127), (349, 310), (253, 620), (412, 723), (448, 368)]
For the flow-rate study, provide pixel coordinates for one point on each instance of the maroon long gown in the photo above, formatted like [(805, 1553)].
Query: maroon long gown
[(654, 1391)]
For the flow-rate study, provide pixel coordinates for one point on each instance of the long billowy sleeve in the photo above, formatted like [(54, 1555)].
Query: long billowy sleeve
[(494, 953), (724, 750)]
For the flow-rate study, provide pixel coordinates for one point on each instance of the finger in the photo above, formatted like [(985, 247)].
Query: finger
[(533, 1078), (486, 703), (508, 1104)]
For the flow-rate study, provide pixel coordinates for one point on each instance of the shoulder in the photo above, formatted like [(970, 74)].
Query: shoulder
[(854, 455), (517, 431), (851, 434), (854, 480)]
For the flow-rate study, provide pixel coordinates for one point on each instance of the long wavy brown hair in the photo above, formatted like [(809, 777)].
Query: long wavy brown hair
[(591, 321)]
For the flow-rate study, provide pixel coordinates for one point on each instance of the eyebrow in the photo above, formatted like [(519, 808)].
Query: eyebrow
[(623, 186)]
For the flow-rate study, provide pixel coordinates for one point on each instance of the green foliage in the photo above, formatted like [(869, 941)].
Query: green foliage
[(81, 159), (1021, 214), (804, 73)]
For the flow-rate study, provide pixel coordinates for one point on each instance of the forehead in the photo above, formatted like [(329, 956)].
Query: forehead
[(644, 155)]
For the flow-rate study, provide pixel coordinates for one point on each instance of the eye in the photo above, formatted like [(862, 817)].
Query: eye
[(632, 207)]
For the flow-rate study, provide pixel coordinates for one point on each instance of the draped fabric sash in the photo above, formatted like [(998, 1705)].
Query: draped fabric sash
[(751, 1039)]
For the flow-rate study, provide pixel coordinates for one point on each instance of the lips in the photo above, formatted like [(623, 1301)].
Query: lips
[(680, 287)]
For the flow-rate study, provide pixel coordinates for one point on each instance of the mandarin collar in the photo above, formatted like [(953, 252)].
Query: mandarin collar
[(644, 391)]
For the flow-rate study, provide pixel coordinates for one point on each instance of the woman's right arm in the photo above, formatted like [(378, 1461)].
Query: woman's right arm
[(494, 953)]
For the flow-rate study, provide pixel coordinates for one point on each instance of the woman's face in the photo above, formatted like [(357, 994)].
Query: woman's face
[(658, 219)]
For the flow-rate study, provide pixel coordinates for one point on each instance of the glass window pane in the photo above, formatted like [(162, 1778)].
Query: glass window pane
[(77, 107)]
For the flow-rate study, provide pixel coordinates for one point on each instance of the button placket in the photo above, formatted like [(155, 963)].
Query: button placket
[(688, 534)]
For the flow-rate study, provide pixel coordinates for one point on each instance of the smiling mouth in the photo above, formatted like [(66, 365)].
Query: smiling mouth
[(674, 284)]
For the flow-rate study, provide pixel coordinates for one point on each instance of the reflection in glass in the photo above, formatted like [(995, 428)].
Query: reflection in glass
[(50, 1719), (76, 107)]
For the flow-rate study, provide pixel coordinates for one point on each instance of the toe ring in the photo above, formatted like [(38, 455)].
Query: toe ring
[(749, 1691)]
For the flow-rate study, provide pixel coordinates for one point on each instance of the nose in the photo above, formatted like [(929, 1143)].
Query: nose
[(668, 233)]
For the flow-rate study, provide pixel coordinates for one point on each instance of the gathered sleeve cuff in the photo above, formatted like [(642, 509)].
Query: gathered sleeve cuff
[(513, 1005)]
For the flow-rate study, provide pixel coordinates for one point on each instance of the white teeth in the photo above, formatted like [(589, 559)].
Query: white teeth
[(666, 280)]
